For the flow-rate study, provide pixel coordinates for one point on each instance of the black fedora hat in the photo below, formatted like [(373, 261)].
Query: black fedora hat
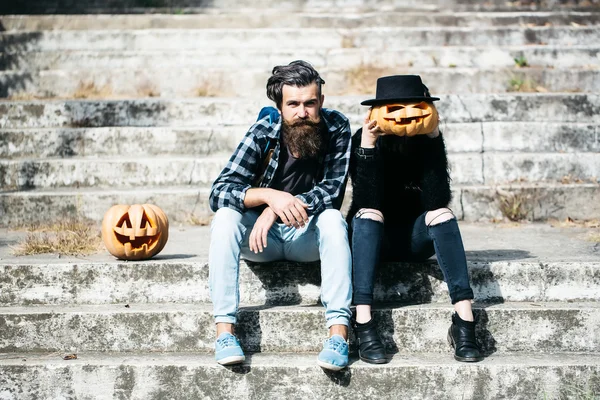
[(399, 88)]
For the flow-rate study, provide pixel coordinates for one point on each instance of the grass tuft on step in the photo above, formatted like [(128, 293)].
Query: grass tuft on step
[(68, 237)]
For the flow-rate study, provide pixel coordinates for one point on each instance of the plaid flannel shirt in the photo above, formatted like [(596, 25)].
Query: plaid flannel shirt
[(246, 163)]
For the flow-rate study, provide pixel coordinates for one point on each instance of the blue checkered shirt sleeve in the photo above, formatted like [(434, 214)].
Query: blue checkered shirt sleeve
[(229, 189)]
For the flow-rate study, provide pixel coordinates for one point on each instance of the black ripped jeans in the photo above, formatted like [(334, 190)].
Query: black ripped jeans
[(371, 242)]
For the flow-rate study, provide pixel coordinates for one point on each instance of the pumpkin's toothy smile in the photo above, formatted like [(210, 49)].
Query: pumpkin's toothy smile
[(408, 121), (138, 242)]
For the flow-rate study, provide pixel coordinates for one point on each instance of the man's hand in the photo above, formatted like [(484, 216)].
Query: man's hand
[(370, 133), (290, 209), (258, 237)]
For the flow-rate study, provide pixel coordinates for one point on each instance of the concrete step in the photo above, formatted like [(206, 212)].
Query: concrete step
[(138, 141), (141, 376), (326, 60), (126, 171), (194, 82), (36, 143), (201, 6), (541, 201), (272, 18), (523, 107), (499, 168), (106, 173), (166, 281), (502, 328), (382, 38), (524, 263)]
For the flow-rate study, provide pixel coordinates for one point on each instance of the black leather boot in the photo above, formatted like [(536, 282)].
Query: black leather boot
[(461, 337), (370, 348)]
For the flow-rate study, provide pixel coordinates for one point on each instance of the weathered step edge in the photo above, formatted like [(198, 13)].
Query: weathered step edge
[(187, 205), (154, 376), (510, 278), (502, 328), (523, 107)]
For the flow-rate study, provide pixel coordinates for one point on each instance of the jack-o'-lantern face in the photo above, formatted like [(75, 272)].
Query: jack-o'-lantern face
[(135, 232), (406, 119)]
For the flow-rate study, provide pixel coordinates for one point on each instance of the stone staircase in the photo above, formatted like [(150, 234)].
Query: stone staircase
[(134, 108), (167, 97), (144, 330)]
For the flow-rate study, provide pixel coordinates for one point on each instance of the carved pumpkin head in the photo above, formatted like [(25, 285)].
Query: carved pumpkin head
[(403, 106), (135, 232), (405, 119)]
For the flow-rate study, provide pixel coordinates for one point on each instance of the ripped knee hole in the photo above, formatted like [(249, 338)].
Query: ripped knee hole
[(370, 213), (439, 216)]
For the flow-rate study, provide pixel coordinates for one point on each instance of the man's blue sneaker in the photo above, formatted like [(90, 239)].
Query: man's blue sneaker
[(228, 350), (334, 355)]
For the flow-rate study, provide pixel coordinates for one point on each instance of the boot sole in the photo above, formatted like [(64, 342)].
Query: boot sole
[(457, 358), (375, 361), (468, 359)]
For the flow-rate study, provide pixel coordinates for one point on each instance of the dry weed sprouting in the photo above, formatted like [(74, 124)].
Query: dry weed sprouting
[(347, 42), (210, 86), (89, 90), (592, 224), (575, 223), (515, 206), (521, 61), (147, 89), (200, 221), (69, 237), (522, 84), (361, 79), (593, 237), (22, 96), (569, 179)]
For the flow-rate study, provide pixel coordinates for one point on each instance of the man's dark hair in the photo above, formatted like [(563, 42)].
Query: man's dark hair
[(297, 73)]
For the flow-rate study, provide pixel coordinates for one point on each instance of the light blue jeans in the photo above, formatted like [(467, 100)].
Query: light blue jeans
[(325, 237)]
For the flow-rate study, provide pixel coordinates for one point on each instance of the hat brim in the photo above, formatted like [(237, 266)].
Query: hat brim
[(373, 102)]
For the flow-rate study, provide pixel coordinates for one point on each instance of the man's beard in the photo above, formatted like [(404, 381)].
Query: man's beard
[(303, 139)]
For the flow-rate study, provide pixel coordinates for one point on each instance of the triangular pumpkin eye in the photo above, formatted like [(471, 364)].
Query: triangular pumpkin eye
[(145, 222), (124, 221)]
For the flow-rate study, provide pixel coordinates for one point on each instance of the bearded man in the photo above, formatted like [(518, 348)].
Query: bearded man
[(278, 198)]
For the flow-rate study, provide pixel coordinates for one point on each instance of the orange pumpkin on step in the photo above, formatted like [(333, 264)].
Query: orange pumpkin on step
[(135, 232)]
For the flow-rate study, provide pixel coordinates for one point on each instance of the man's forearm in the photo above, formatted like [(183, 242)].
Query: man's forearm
[(257, 197)]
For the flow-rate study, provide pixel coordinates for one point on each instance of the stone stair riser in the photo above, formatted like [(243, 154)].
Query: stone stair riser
[(499, 168), (270, 18), (195, 6), (189, 205), (287, 284), (501, 329), (523, 107), (201, 140), (197, 82), (193, 376), (119, 141), (323, 60), (184, 206), (466, 168), (311, 38), (539, 203)]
